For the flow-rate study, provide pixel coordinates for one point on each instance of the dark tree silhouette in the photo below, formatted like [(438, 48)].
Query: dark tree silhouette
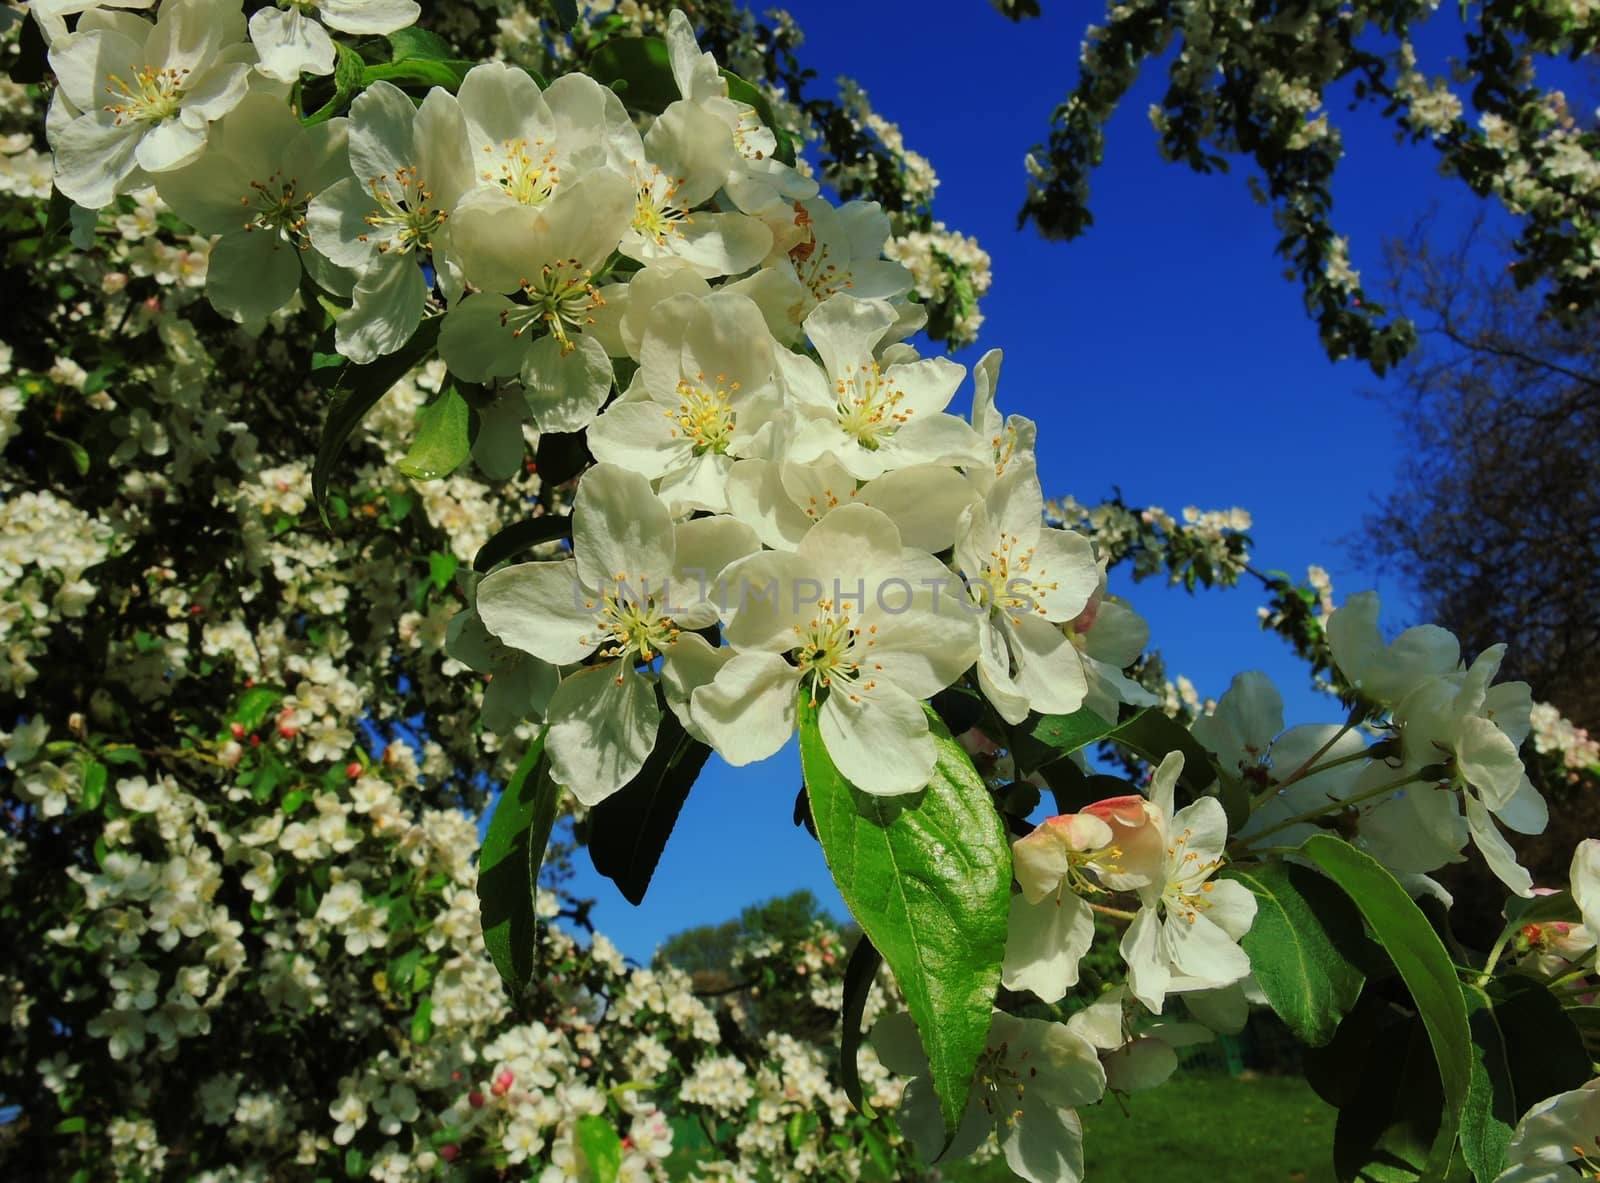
[(1495, 516)]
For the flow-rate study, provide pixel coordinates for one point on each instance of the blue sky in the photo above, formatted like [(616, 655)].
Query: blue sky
[(1163, 353)]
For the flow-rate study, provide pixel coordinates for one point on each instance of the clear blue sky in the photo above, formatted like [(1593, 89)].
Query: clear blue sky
[(1163, 353)]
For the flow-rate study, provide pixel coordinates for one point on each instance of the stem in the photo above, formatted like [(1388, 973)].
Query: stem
[(1330, 807), (1300, 772), (1495, 952), (1114, 913)]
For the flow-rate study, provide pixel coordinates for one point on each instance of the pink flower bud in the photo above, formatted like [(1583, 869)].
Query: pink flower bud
[(237, 729), (352, 769), (503, 1082), (449, 1152), (475, 1099)]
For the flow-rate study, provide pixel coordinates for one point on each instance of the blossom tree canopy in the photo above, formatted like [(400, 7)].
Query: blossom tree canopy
[(398, 409)]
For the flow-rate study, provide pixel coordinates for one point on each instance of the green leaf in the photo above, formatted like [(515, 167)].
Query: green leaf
[(415, 43), (94, 786), (859, 973), (1524, 1049), (356, 390), (508, 867), (521, 536), (630, 828), (599, 1149), (1542, 909), (1299, 947), (927, 875), (348, 72), (253, 706), (1043, 739), (80, 455), (72, 1125), (566, 14), (1425, 967), (638, 69), (442, 569), (419, 72), (422, 1021), (440, 445)]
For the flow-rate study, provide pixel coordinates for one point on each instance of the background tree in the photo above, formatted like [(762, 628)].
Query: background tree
[(1494, 520)]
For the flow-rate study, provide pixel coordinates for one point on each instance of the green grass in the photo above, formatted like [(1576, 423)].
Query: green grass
[(1201, 1129)]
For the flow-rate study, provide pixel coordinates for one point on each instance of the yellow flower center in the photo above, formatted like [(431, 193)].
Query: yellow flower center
[(633, 627), (656, 214), (705, 415), (277, 207), (402, 215), (830, 650), (868, 405), (152, 96), (1013, 585), (563, 297), (521, 171)]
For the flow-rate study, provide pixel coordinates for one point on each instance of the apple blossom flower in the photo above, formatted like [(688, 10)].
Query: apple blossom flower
[(756, 178), (291, 42), (252, 187), (861, 623), (1386, 673), (1029, 1079), (1479, 727), (1109, 636), (1009, 438), (635, 581), (1028, 580), (1555, 1140), (705, 393), (137, 98), (520, 685), (409, 166), (1050, 926), (1185, 934), (819, 251), (870, 415)]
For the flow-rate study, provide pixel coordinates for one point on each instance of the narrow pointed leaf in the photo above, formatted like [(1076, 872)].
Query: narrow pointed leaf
[(630, 828), (1424, 966), (859, 973), (508, 867)]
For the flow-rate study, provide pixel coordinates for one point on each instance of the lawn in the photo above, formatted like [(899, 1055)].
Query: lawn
[(1201, 1129)]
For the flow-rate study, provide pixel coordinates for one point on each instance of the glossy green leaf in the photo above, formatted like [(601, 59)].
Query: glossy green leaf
[(927, 875), (599, 1148), (254, 705), (440, 445), (639, 69), (1299, 947), (508, 867), (348, 73), (630, 828), (94, 786), (415, 43), (1524, 1048), (420, 72), (356, 390), (859, 973), (1425, 967), (1043, 739)]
